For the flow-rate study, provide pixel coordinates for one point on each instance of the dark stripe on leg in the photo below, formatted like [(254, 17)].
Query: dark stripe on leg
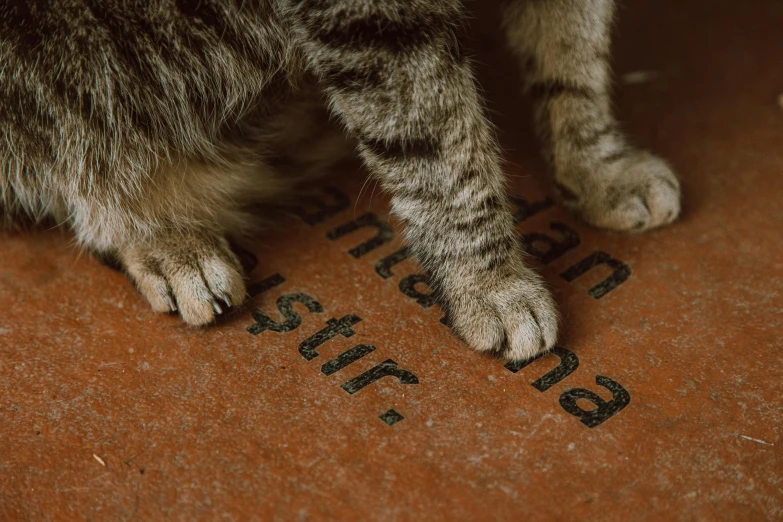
[(353, 79), (379, 31), (422, 148), (590, 139)]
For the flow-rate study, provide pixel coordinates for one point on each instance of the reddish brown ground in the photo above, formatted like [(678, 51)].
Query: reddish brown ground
[(221, 424)]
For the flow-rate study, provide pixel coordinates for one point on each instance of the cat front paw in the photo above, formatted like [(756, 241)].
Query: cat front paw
[(194, 274), (515, 318), (633, 194)]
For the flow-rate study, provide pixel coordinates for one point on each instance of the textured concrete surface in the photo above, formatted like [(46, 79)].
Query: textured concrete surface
[(108, 412)]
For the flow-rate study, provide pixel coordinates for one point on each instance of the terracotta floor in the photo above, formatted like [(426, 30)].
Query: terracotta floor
[(108, 412)]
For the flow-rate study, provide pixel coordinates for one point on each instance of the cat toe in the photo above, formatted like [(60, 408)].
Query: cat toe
[(518, 320), (198, 277), (641, 194)]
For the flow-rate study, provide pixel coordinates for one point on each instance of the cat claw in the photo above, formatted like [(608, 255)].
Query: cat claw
[(178, 284), (226, 300)]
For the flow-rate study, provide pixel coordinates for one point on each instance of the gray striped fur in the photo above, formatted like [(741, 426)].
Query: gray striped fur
[(150, 127)]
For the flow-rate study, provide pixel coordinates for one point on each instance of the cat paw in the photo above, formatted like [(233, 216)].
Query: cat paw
[(636, 193), (516, 319), (196, 275)]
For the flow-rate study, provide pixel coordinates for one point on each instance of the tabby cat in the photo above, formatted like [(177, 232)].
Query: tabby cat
[(149, 127)]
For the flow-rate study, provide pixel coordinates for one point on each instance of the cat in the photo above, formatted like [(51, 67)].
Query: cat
[(149, 127)]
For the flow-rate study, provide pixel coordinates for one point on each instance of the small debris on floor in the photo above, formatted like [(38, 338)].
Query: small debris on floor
[(100, 460), (639, 77), (756, 440)]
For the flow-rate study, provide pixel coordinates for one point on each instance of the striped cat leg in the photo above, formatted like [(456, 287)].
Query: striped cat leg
[(565, 47), (394, 75)]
